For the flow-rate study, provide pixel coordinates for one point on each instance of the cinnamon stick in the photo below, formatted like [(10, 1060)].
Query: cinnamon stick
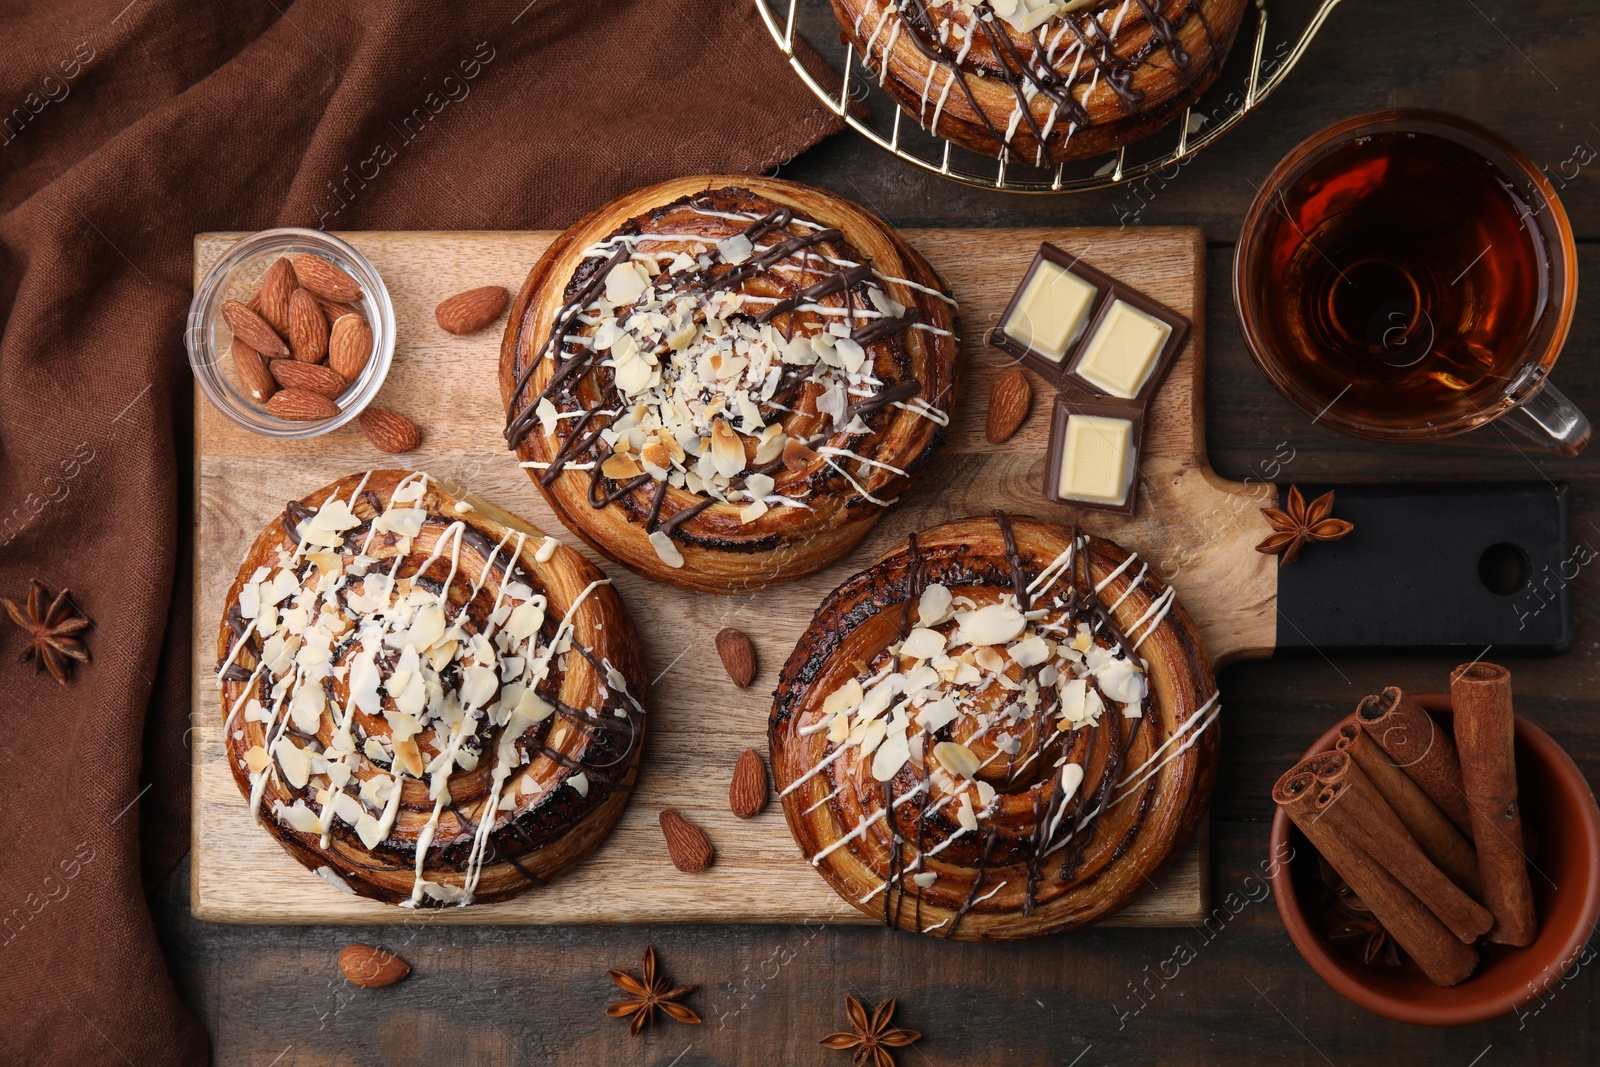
[(1446, 846), (1360, 814), (1485, 730), (1303, 797), (1405, 730)]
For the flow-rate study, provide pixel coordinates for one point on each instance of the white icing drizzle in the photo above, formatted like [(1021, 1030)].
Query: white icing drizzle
[(697, 373), (957, 24), (862, 717), (1187, 735), (299, 618), (909, 794)]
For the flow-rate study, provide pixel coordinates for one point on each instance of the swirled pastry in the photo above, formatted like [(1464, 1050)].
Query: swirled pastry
[(999, 731), (722, 381), (1042, 81), (426, 700)]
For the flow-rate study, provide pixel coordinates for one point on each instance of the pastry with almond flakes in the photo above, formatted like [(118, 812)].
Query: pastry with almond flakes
[(1002, 729), (426, 700), (722, 382)]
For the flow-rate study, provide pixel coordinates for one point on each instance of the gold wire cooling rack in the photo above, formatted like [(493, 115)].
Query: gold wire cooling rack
[(1248, 77)]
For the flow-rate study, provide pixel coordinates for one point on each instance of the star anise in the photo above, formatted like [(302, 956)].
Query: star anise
[(648, 994), (54, 631), (871, 1038), (1373, 938), (1300, 525), (1354, 923)]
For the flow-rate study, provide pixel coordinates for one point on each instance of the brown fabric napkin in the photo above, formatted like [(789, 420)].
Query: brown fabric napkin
[(124, 131)]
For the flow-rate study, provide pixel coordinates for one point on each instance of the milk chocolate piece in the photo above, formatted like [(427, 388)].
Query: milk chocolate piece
[(1094, 454), (1115, 343)]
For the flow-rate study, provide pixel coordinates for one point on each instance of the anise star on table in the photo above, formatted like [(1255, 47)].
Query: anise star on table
[(649, 993), (871, 1038), (1300, 525), (54, 630)]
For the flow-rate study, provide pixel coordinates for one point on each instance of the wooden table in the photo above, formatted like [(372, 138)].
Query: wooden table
[(535, 995)]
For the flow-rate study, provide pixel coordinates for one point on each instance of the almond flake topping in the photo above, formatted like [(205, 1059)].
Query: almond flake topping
[(449, 689)]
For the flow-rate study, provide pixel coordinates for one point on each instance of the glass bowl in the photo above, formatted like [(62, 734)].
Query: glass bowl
[(237, 276)]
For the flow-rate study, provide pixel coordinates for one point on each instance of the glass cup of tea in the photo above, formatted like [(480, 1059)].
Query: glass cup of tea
[(1408, 275)]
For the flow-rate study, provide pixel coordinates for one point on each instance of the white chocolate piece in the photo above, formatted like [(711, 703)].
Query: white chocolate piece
[(1051, 312), (1123, 352), (1097, 464)]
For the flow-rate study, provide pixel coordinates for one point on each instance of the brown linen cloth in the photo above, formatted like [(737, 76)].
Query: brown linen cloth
[(127, 128)]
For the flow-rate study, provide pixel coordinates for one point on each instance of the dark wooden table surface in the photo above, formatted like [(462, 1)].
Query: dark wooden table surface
[(535, 995)]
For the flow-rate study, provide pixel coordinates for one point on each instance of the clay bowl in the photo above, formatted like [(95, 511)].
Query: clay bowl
[(1562, 825)]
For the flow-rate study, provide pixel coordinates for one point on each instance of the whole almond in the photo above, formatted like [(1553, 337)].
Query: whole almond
[(334, 311), (687, 844), (738, 656), (388, 431), (254, 329), (253, 373), (747, 793), (276, 285), (301, 405), (349, 346), (325, 280), (292, 374), (308, 328), (1008, 405), (472, 310), (371, 968)]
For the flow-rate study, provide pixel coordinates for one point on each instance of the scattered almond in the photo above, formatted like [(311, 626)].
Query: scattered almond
[(738, 655), (472, 310), (292, 374), (254, 329), (301, 405), (371, 968), (308, 328), (1008, 404), (276, 285), (389, 431), (747, 793), (687, 844), (325, 280), (252, 370), (349, 346)]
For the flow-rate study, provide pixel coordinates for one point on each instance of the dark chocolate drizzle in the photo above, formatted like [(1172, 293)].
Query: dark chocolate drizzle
[(1075, 600), (581, 441), (611, 732), (1018, 71)]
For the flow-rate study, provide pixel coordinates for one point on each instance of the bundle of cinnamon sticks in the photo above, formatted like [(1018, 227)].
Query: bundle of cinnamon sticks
[(1424, 826)]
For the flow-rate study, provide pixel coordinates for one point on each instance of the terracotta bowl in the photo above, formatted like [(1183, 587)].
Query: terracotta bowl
[(1562, 825)]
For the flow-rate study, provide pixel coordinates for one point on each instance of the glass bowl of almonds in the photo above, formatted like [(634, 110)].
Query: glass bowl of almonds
[(291, 333)]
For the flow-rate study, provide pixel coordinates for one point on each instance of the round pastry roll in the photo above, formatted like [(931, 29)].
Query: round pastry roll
[(425, 699), (1042, 81), (999, 731), (721, 382)]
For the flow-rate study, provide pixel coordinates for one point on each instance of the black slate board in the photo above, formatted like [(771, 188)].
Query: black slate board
[(1480, 569)]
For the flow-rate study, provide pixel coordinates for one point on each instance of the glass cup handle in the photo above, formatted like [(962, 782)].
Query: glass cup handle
[(1552, 420)]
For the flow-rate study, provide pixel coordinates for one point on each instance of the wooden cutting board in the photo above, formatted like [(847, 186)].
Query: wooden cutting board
[(1199, 530)]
